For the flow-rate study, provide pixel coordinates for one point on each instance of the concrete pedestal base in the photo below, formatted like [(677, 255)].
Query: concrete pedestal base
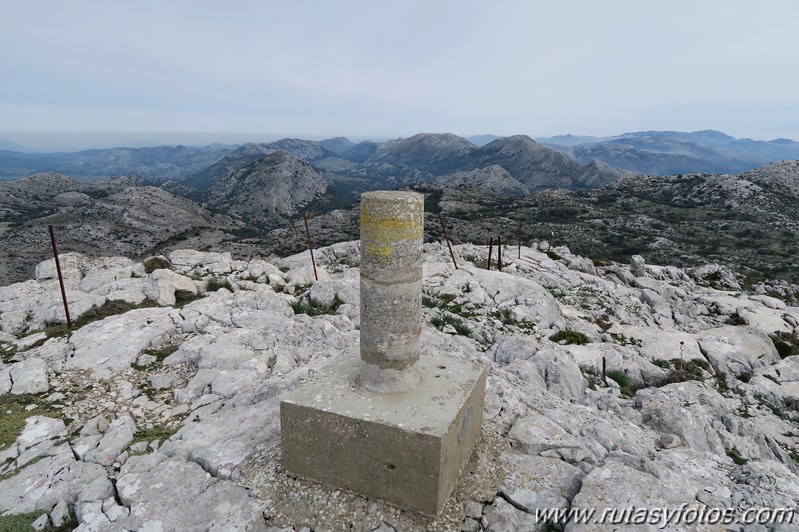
[(407, 448)]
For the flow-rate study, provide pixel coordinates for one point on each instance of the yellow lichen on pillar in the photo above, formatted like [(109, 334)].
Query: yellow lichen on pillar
[(392, 227)]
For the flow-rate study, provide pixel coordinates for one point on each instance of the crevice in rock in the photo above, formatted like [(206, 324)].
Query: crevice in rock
[(604, 374), (117, 499), (510, 501), (74, 453), (203, 464)]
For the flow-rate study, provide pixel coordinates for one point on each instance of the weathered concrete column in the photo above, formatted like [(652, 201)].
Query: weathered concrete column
[(388, 423), (392, 227)]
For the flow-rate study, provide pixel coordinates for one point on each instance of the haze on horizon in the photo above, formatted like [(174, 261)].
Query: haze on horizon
[(95, 71)]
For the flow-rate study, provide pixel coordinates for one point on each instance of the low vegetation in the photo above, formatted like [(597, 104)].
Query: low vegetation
[(215, 284), (623, 380), (156, 263), (14, 413), (735, 319), (22, 523), (312, 307), (158, 432), (569, 337), (159, 354), (785, 343), (96, 313)]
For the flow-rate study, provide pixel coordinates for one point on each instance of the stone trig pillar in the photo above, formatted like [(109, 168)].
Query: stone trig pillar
[(392, 227), (382, 420)]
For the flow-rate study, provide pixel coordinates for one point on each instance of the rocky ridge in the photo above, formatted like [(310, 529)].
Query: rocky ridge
[(609, 386), (673, 152), (158, 163), (119, 216), (270, 188), (250, 152)]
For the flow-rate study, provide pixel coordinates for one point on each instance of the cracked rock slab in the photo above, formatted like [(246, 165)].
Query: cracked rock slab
[(222, 442), (169, 493), (42, 485)]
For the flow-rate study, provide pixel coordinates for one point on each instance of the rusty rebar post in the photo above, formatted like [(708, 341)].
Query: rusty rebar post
[(499, 253), (490, 249), (310, 245), (446, 237), (60, 276)]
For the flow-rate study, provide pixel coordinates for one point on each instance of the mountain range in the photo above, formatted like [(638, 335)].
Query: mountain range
[(420, 157), (674, 152), (250, 198)]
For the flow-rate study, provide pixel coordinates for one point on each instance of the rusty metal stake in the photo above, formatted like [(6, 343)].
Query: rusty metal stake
[(60, 276), (490, 249), (446, 237), (499, 253), (310, 245)]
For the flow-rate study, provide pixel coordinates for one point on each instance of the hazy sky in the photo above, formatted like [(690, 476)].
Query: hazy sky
[(387, 69)]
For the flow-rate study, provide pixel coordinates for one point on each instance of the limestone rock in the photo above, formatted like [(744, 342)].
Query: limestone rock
[(637, 266), (97, 344), (43, 484), (162, 284), (615, 485), (119, 434), (174, 494), (686, 409), (187, 260), (537, 474), (222, 442), (29, 376), (501, 516), (736, 350), (536, 434)]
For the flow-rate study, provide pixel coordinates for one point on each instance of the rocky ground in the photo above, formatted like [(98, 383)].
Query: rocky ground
[(609, 386)]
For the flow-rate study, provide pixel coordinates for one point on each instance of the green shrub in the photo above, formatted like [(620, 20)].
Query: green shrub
[(570, 337), (721, 382), (107, 309), (159, 354), (619, 376), (156, 263), (158, 432), (737, 458), (429, 302), (110, 308), (785, 343), (312, 307), (461, 328), (184, 297), (215, 284), (624, 340), (623, 380), (735, 319), (659, 362)]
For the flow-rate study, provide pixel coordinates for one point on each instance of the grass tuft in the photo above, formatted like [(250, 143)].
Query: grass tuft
[(312, 307), (158, 432)]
